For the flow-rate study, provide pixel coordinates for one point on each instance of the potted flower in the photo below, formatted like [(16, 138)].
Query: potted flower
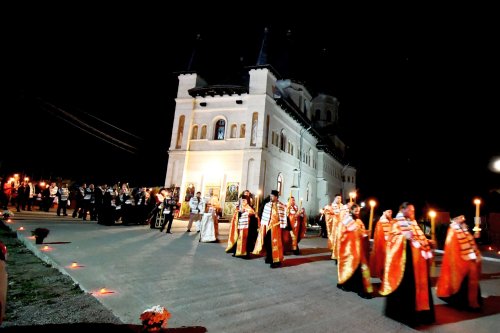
[(154, 319), (40, 234)]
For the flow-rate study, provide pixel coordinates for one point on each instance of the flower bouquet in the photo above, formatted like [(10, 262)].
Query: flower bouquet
[(155, 318)]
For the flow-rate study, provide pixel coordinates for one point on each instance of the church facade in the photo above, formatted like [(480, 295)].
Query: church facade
[(260, 137)]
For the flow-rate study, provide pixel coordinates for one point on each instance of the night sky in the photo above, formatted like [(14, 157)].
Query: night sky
[(417, 102)]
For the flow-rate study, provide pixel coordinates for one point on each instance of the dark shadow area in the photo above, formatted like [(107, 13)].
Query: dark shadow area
[(490, 276), (446, 314), (289, 262), (87, 327), (314, 250), (56, 242)]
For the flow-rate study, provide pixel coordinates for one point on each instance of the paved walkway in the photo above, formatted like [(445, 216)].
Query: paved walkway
[(203, 286)]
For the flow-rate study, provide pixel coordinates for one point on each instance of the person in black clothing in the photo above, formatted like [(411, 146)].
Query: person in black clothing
[(142, 199), (22, 193), (166, 208), (322, 224), (80, 193)]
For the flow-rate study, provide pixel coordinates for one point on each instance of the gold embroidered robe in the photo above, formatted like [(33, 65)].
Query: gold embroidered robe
[(273, 221), (238, 231), (396, 260), (458, 263), (352, 253)]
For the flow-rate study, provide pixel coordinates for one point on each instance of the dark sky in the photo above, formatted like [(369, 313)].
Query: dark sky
[(417, 99)]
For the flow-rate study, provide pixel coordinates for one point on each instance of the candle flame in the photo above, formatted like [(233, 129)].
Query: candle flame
[(432, 214)]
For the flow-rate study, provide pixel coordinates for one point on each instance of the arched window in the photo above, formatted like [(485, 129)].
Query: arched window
[(194, 134), (234, 129), (203, 132), (279, 185), (255, 120), (308, 191), (243, 129), (180, 132), (282, 140), (311, 157), (220, 129)]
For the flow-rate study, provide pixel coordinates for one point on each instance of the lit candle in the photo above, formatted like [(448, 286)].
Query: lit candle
[(432, 215), (74, 264), (477, 220), (477, 202), (370, 223)]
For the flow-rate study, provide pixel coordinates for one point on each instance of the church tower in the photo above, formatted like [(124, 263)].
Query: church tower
[(260, 136)]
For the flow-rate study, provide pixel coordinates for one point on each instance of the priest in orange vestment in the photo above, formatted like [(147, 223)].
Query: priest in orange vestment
[(458, 283), (242, 235), (353, 270), (270, 231), (406, 281), (296, 229), (380, 238)]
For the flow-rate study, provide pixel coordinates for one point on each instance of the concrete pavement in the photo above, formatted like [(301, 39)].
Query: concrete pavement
[(201, 285)]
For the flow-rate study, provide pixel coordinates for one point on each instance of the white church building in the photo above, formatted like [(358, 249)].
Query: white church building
[(261, 137)]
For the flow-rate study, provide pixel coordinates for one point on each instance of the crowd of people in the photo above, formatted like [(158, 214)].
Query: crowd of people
[(104, 204)]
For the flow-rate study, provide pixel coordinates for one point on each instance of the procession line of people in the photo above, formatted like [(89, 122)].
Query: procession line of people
[(401, 257)]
